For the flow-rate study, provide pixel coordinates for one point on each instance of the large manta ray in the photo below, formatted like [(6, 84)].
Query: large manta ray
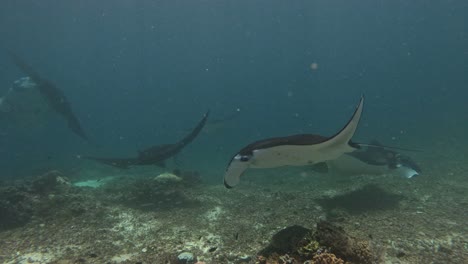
[(53, 95), (295, 150), (155, 155)]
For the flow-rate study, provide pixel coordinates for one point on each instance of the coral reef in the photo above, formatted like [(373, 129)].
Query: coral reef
[(326, 258), (328, 244), (342, 244), (309, 247)]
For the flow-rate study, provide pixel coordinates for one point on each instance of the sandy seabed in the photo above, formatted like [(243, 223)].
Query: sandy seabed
[(420, 220)]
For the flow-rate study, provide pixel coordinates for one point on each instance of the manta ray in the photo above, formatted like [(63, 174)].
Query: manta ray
[(372, 159), (54, 97), (294, 150), (155, 155)]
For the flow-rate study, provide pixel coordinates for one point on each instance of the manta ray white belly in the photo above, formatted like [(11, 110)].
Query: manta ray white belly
[(296, 155)]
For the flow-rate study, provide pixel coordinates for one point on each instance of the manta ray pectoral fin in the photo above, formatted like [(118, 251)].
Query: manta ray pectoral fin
[(341, 141), (234, 171)]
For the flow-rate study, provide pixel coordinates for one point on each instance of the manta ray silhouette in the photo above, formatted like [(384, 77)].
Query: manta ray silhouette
[(55, 98), (155, 155)]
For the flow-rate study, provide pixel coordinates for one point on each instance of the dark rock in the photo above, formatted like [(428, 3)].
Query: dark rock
[(286, 240), (212, 249), (49, 182)]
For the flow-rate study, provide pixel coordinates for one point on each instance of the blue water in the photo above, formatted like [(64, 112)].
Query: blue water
[(140, 73)]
